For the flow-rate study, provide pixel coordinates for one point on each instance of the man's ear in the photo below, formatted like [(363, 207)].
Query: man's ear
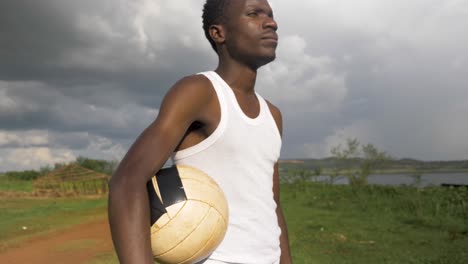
[(217, 33)]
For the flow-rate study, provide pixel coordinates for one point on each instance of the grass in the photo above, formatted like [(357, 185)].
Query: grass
[(372, 224), (107, 258), (22, 218), (420, 171), (291, 171), (375, 224), (327, 223), (15, 185)]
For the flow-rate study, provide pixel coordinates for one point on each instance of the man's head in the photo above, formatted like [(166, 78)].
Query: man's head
[(214, 14), (243, 29)]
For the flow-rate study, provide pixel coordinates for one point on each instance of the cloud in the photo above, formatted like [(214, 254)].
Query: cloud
[(85, 78), (33, 158), (23, 138), (106, 148), (300, 82), (361, 130), (403, 64), (34, 105)]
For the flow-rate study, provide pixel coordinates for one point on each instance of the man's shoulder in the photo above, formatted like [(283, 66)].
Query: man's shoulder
[(275, 111), (198, 82), (193, 87)]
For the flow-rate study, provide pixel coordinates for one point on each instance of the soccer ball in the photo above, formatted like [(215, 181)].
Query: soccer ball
[(189, 215)]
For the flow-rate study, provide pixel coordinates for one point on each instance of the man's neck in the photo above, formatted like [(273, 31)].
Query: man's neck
[(240, 78)]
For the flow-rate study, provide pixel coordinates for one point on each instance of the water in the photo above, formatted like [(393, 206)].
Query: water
[(435, 179)]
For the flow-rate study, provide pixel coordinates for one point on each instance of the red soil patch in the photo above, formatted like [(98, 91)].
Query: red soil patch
[(76, 245)]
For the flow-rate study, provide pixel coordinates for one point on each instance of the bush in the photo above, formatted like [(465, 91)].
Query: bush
[(27, 175)]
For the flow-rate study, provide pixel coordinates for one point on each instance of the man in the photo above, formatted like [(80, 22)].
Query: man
[(215, 121)]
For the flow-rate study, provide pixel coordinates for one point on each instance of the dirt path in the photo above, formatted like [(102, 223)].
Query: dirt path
[(76, 245)]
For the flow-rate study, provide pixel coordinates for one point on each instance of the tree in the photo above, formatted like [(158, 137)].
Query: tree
[(318, 170), (357, 161)]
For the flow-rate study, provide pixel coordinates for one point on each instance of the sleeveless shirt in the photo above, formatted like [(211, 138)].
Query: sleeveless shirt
[(240, 156)]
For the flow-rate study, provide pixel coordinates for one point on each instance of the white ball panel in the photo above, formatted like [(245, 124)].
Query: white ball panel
[(210, 194), (177, 229), (174, 209), (192, 247), (219, 230), (156, 187), (162, 221)]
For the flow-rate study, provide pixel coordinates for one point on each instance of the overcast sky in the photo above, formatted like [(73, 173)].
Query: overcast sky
[(86, 77)]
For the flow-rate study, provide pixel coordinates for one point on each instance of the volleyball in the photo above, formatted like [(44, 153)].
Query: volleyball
[(189, 215)]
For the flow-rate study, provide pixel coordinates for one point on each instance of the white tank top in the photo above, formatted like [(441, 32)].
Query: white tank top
[(240, 155)]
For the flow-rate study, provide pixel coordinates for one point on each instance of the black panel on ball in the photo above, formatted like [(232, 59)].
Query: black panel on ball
[(170, 186), (171, 191), (157, 209)]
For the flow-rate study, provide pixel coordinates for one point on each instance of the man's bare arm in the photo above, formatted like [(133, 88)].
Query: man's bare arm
[(129, 219), (284, 240)]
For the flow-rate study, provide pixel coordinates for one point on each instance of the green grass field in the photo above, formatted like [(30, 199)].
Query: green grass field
[(327, 223), (22, 218), (375, 224), (15, 185)]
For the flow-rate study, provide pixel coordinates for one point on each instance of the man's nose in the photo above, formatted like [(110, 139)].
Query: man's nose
[(270, 23)]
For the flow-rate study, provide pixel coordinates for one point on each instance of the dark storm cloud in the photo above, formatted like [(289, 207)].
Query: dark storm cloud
[(86, 77), (58, 62), (71, 43), (89, 76), (34, 34), (37, 106)]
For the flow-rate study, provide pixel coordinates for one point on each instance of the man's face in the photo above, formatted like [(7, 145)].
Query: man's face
[(251, 31)]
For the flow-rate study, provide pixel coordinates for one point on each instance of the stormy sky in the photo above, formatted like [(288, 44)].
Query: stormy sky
[(84, 78)]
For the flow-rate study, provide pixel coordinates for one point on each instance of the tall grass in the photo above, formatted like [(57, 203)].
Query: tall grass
[(376, 224), (15, 185), (327, 223)]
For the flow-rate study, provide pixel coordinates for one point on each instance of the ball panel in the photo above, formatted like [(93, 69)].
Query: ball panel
[(178, 228), (210, 194), (186, 172), (156, 188), (170, 186), (174, 209), (162, 221), (154, 228), (194, 247), (219, 230)]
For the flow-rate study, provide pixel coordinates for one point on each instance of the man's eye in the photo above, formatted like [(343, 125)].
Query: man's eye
[(252, 14)]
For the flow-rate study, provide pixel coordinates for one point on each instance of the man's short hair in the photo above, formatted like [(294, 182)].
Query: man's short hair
[(213, 14)]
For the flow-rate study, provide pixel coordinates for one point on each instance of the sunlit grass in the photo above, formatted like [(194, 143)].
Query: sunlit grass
[(13, 185), (22, 218), (376, 224), (327, 223)]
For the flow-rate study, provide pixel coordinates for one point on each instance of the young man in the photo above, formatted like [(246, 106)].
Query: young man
[(215, 121)]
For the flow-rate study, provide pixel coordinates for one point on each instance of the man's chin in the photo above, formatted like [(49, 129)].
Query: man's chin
[(267, 59), (263, 58)]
